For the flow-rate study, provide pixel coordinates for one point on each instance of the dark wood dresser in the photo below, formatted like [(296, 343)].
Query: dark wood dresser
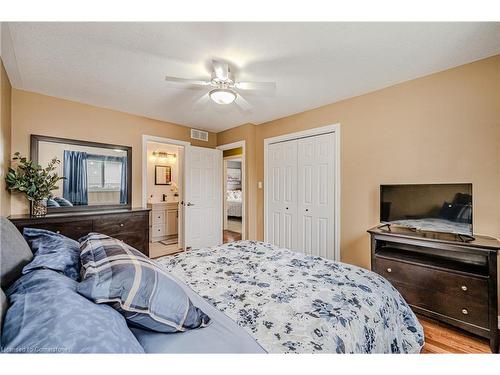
[(442, 277), (128, 225)]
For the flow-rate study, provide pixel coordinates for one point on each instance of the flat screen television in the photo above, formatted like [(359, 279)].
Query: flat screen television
[(428, 207)]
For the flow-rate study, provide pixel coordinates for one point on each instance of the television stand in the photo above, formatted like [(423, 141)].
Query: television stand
[(442, 277)]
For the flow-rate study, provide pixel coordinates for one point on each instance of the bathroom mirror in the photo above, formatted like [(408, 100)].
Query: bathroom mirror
[(163, 175), (97, 175)]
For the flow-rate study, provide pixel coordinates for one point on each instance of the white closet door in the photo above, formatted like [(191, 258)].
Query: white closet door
[(282, 190), (316, 195), (203, 197)]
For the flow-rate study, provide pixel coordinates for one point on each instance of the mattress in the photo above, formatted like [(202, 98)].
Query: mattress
[(234, 208), (222, 335), (291, 302)]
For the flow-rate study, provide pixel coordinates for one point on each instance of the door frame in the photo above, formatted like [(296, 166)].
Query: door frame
[(230, 146), (333, 128), (153, 138)]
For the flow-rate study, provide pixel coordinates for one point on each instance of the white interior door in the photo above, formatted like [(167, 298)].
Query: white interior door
[(203, 197), (316, 195), (282, 200)]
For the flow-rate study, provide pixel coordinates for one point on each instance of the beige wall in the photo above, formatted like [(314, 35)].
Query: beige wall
[(441, 128), (39, 114), (5, 131), (247, 133)]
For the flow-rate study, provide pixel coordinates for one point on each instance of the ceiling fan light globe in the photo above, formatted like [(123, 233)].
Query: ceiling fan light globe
[(222, 96)]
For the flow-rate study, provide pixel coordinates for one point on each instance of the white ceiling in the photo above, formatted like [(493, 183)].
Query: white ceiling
[(122, 65)]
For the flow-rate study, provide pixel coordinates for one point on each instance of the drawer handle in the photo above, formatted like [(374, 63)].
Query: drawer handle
[(389, 270), (464, 288), (465, 312), (121, 224)]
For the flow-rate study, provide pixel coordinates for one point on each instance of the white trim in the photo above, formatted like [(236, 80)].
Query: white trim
[(230, 146), (334, 128)]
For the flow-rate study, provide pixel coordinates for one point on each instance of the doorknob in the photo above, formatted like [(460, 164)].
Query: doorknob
[(189, 204)]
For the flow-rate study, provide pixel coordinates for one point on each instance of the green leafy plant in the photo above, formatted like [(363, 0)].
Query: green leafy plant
[(31, 179)]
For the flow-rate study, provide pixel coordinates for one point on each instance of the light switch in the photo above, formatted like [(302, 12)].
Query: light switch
[(259, 184)]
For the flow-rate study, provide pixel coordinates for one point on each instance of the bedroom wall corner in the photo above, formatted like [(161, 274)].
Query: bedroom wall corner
[(34, 113), (443, 127), (5, 140), (247, 133)]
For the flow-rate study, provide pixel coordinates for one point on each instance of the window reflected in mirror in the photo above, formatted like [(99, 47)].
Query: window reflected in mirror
[(93, 176)]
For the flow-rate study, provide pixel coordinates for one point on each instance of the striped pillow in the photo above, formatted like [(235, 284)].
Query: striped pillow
[(145, 294)]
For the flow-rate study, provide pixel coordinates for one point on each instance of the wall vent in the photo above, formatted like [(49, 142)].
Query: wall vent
[(200, 135)]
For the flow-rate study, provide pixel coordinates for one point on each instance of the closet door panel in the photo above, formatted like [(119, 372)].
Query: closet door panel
[(316, 195), (282, 189)]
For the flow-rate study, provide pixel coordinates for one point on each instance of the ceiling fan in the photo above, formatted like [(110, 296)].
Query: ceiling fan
[(223, 86)]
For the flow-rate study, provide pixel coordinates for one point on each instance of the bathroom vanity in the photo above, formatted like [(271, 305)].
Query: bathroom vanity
[(164, 220)]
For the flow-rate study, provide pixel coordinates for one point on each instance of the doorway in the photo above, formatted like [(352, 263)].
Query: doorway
[(181, 186), (164, 193), (233, 187)]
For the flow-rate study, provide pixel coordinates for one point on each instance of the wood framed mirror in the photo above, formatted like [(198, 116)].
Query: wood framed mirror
[(98, 176), (163, 174)]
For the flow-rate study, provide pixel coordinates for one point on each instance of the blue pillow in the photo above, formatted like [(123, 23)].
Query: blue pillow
[(142, 291), (47, 315), (53, 251), (63, 202), (50, 202)]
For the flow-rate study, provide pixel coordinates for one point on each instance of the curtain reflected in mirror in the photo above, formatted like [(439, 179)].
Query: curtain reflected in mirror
[(93, 176)]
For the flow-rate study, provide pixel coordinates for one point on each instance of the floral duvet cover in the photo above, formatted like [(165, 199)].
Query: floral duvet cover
[(292, 302)]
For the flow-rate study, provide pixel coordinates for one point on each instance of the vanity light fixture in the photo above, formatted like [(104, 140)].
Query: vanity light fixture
[(165, 156)]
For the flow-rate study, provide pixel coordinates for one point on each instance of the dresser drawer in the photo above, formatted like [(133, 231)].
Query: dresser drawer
[(71, 229), (135, 239), (453, 284), (120, 224), (467, 310), (130, 226), (464, 298)]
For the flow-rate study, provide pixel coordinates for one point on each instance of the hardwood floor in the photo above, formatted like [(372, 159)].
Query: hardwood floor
[(230, 236), (443, 339)]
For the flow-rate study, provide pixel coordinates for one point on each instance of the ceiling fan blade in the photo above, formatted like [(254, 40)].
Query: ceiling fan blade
[(187, 81), (221, 70), (202, 100), (242, 103), (263, 86)]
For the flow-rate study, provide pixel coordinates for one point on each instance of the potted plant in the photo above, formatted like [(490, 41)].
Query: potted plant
[(34, 181)]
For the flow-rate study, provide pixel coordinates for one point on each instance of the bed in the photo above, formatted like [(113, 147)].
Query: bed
[(234, 203), (290, 302), (260, 299)]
